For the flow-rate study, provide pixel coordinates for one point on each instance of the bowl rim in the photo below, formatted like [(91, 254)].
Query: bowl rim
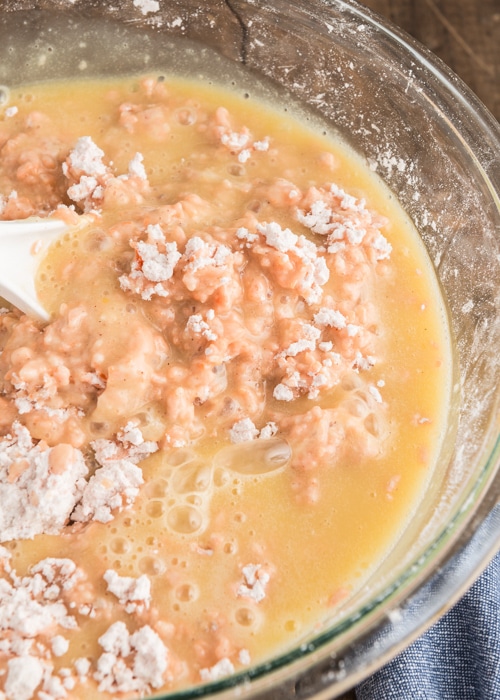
[(470, 536)]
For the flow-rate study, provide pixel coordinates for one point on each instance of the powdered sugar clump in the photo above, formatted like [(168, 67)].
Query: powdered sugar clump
[(222, 668), (153, 266), (115, 484), (255, 582), (90, 178), (38, 487), (31, 605), (112, 487), (24, 675), (147, 6), (136, 167), (330, 317), (343, 220), (130, 662), (242, 431), (85, 159), (133, 593), (281, 392)]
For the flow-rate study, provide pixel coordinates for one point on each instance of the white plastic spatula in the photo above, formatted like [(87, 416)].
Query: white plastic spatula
[(22, 245)]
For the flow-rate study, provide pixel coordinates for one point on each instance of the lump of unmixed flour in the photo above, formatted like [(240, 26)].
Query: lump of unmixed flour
[(39, 485)]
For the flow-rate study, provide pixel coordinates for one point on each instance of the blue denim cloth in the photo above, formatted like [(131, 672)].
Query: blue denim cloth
[(458, 658)]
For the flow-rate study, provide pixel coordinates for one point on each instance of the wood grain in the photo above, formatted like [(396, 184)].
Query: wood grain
[(465, 34)]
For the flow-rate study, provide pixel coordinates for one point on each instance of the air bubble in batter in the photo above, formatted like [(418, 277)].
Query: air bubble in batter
[(245, 617), (152, 566), (184, 519), (230, 548), (120, 545), (155, 509), (194, 477), (186, 116), (254, 457), (158, 488), (372, 425), (186, 592), (221, 477)]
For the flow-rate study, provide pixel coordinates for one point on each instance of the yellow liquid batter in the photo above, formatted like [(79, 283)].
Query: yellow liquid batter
[(312, 527)]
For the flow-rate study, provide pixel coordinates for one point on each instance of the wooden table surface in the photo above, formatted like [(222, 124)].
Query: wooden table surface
[(465, 34)]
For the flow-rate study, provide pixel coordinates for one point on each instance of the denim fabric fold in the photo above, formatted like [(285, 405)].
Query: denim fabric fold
[(458, 658)]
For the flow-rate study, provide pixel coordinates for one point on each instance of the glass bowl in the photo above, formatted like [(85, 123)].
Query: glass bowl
[(437, 148)]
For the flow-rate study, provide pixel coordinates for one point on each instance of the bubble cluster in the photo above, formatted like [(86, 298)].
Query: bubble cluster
[(363, 404), (180, 498)]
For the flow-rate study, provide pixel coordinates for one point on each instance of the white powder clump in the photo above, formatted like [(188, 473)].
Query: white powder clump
[(157, 266), (131, 434), (307, 342), (330, 317), (150, 660), (282, 239), (195, 324), (82, 667), (129, 445), (244, 657), (136, 167), (255, 582), (268, 431), (82, 189), (113, 487), (59, 644), (283, 393), (222, 668), (131, 662), (240, 143), (90, 178), (347, 201), (53, 689), (31, 608), (39, 486), (153, 266), (84, 166), (234, 140), (115, 484), (243, 234), (85, 158), (201, 254), (318, 219), (382, 247), (133, 593), (24, 675), (147, 6), (344, 220), (262, 145), (243, 431)]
